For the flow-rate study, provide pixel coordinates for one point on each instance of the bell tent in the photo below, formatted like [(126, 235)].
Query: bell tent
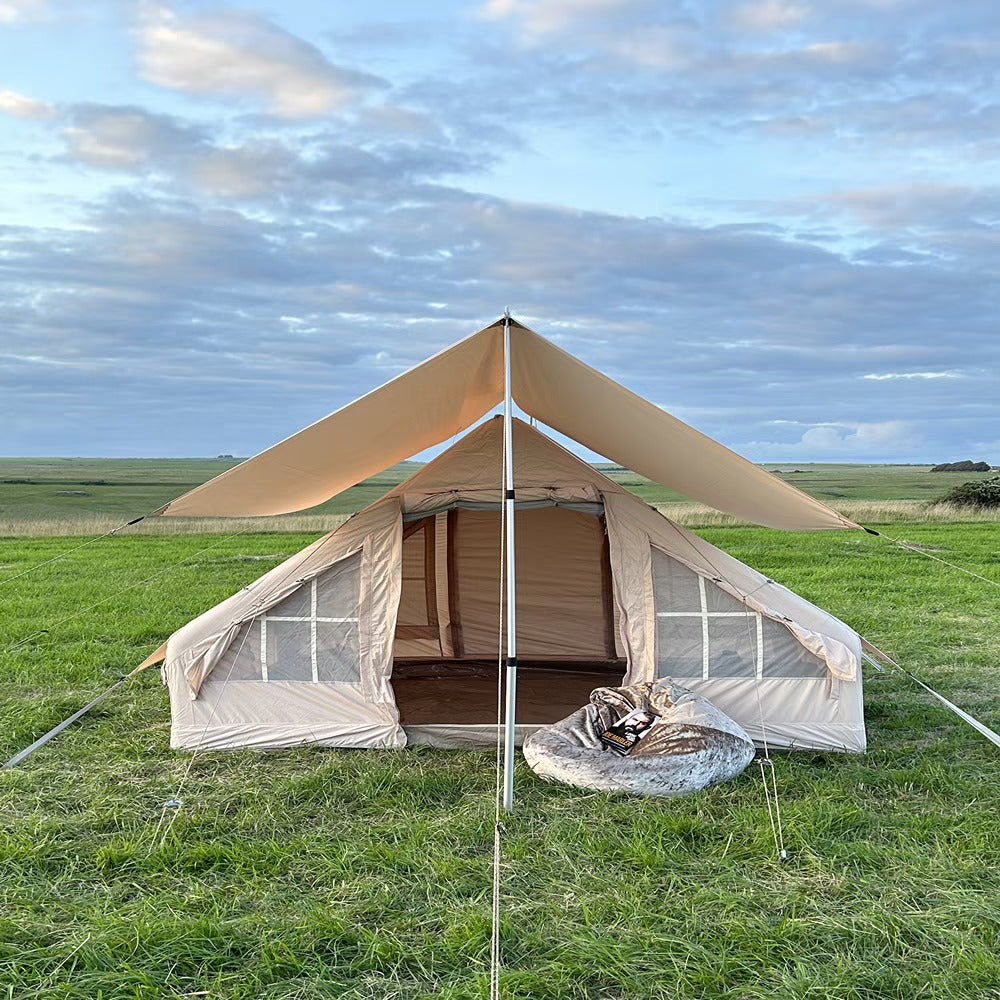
[(387, 630)]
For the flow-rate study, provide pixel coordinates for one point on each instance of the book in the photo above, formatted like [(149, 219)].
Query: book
[(625, 734)]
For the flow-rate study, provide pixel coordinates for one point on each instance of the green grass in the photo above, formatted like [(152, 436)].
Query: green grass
[(832, 483), (49, 489), (319, 874)]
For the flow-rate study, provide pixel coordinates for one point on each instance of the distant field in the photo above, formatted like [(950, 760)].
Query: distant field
[(66, 495), (59, 489), (831, 483)]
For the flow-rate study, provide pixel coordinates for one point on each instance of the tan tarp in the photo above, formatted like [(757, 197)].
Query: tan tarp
[(423, 407), (573, 398), (448, 393)]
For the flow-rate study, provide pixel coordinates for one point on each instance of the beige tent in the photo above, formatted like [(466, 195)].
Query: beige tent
[(388, 630)]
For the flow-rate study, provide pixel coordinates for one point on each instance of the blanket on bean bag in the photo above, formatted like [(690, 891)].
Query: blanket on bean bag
[(692, 745)]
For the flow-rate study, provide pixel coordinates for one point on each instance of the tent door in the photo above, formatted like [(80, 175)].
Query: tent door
[(447, 636), (423, 624)]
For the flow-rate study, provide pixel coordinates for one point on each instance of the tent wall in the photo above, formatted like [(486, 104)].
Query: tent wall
[(223, 692), (563, 608), (788, 672)]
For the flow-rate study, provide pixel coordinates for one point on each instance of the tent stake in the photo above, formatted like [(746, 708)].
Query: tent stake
[(511, 692)]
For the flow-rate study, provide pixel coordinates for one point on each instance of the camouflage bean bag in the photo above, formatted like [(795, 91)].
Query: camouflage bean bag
[(691, 746)]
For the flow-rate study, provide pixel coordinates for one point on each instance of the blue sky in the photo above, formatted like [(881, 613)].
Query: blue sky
[(777, 219)]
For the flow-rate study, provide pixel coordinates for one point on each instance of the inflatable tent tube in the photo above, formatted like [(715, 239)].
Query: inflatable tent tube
[(692, 746)]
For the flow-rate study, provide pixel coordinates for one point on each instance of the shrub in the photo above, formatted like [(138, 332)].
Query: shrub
[(967, 466), (983, 493)]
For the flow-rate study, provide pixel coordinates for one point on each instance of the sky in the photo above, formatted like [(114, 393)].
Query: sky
[(777, 219)]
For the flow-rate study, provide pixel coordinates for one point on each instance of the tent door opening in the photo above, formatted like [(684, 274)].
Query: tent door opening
[(448, 626)]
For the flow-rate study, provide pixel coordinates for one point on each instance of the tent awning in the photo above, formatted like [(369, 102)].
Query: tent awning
[(448, 393)]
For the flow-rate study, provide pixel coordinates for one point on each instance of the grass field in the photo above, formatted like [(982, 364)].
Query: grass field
[(89, 496), (319, 874), (71, 490)]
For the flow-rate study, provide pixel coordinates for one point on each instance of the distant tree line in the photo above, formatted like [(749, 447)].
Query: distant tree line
[(966, 466)]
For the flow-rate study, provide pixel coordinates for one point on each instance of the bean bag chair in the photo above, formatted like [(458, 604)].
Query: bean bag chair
[(692, 745)]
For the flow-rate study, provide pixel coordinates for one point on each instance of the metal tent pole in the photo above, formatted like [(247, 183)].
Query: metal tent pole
[(508, 460)]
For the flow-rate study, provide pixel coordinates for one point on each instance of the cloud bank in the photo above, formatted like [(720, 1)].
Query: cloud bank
[(264, 229)]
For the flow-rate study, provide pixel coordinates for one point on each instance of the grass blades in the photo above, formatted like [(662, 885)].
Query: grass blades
[(317, 874)]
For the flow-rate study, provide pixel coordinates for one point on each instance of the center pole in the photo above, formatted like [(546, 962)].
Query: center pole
[(508, 462)]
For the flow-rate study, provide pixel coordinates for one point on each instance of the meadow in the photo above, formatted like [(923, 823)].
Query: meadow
[(88, 496), (321, 873)]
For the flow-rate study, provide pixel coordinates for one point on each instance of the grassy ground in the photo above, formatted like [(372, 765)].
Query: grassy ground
[(90, 496), (75, 490), (319, 874)]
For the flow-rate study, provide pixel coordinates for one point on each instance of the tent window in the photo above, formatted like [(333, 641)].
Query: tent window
[(310, 636), (701, 631), (241, 661)]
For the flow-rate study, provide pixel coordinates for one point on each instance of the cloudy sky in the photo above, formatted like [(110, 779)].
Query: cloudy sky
[(778, 219)]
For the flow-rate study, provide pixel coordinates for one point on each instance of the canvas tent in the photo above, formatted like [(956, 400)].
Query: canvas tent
[(386, 631), (380, 633)]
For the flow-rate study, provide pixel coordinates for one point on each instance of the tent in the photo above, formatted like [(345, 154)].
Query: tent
[(387, 630)]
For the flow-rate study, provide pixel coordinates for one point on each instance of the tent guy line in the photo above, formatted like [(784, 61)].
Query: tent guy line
[(76, 548), (872, 654), (498, 828), (175, 803), (24, 754), (124, 590), (936, 558), (765, 762)]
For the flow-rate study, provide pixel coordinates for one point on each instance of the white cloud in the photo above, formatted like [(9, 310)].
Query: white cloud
[(20, 106), (845, 441), (840, 53), (768, 15), (12, 11), (907, 375), (123, 138), (546, 17), (248, 171), (918, 204), (655, 47), (236, 54), (885, 437)]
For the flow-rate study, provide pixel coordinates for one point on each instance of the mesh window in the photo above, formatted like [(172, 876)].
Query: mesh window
[(785, 656), (732, 645), (296, 605), (313, 634), (338, 590), (289, 656), (678, 647), (338, 657), (685, 608), (247, 662), (719, 600), (676, 585)]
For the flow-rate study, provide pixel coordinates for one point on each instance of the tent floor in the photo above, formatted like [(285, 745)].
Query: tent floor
[(464, 692)]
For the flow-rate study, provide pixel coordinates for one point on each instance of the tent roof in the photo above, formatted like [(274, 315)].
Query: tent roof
[(471, 470), (446, 394)]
